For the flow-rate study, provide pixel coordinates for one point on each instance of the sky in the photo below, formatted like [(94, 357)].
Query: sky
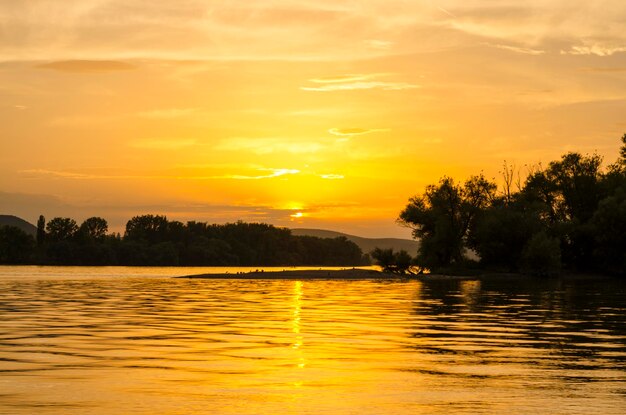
[(305, 114)]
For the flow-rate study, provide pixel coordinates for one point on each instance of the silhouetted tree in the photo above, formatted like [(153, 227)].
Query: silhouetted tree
[(502, 230), (442, 217), (622, 151), (541, 255), (41, 230), (61, 229), (16, 246), (570, 190), (609, 227), (384, 258), (395, 262), (403, 261), (148, 228), (94, 228)]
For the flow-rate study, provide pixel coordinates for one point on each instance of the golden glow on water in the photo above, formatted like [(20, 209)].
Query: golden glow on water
[(299, 340), (77, 344)]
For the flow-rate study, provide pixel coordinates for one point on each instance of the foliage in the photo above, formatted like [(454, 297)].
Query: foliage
[(153, 240), (150, 229), (501, 231), (16, 246), (41, 230), (442, 217), (61, 229), (541, 256), (570, 215), (609, 227), (395, 262), (94, 228), (384, 258)]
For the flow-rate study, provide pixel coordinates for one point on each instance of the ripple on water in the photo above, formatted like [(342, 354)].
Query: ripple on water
[(107, 345)]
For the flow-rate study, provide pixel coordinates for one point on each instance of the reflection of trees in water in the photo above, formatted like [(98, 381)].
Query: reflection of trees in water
[(565, 323)]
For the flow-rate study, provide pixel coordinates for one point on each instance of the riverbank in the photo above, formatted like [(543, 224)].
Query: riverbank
[(369, 274), (314, 274)]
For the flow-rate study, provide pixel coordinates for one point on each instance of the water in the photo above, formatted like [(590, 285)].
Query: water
[(130, 340)]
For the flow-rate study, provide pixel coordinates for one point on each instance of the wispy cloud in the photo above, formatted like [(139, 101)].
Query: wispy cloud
[(594, 49), (379, 44), (87, 66), (163, 144), (352, 82), (264, 173), (354, 86), (65, 174), (520, 49), (350, 132), (332, 176), (346, 78), (271, 173)]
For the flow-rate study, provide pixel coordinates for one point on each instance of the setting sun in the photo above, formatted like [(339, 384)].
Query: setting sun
[(305, 207), (219, 112)]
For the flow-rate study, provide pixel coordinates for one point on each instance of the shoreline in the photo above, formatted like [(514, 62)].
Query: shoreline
[(369, 274), (313, 274)]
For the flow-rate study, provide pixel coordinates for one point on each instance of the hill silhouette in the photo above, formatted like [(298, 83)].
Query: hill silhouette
[(367, 245), (10, 220)]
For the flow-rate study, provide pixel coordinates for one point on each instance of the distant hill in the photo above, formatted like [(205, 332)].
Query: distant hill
[(366, 244), (10, 220)]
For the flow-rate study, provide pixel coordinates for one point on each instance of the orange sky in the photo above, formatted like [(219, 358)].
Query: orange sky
[(324, 114)]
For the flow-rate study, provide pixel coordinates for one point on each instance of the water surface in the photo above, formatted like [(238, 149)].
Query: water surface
[(129, 340)]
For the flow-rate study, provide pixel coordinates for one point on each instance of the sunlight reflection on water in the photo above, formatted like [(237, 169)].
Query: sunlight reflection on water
[(100, 345)]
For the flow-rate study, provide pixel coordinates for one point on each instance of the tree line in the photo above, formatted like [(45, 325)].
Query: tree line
[(569, 216), (154, 240)]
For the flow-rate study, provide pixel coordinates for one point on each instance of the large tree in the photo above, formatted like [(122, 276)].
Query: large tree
[(41, 230), (94, 228), (16, 246), (442, 216), (147, 228), (61, 229)]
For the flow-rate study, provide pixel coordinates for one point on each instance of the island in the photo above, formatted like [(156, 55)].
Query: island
[(307, 274)]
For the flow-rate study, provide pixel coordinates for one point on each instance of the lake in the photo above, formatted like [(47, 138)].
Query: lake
[(117, 340)]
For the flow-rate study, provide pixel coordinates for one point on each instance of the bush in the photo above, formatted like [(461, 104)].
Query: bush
[(541, 255)]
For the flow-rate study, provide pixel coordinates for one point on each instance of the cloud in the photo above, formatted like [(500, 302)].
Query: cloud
[(87, 66), (269, 145), (265, 173), (350, 132), (332, 176), (30, 206), (291, 30), (271, 174), (62, 174), (446, 11), (167, 113), (519, 49), (594, 49), (542, 25), (345, 78), (352, 86), (356, 82), (163, 144), (379, 44)]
